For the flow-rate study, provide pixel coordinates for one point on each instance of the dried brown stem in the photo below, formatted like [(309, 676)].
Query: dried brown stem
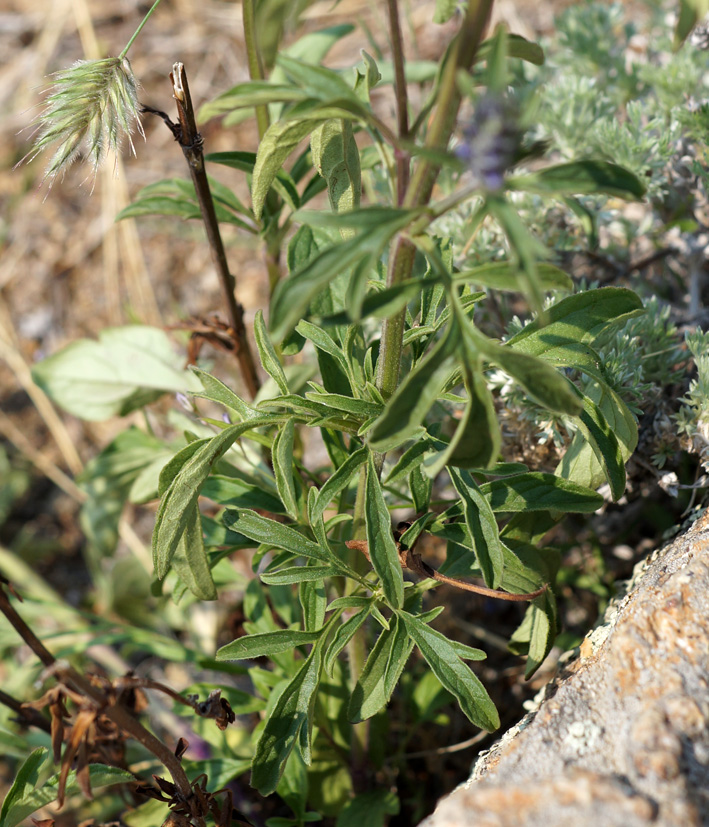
[(104, 703), (25, 715), (412, 561), (192, 147)]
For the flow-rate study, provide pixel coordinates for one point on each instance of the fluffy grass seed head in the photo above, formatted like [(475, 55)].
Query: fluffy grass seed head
[(90, 108)]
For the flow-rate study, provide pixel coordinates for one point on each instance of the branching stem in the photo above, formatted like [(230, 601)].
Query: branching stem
[(82, 686)]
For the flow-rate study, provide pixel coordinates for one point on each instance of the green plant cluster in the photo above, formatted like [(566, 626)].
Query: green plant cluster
[(377, 347)]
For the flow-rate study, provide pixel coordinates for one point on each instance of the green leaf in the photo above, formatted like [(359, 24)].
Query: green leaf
[(539, 379), (370, 808), (236, 492), (336, 158), (538, 491), (292, 714), (467, 652), (216, 391), (502, 275), (366, 219), (263, 530), (344, 634), (279, 140), (339, 481), (383, 552), (297, 574), (269, 360), (454, 675), (580, 463), (581, 177), (524, 246), (24, 784), (445, 9), (358, 408), (293, 295), (605, 445), (317, 81), (477, 438), (690, 12), (381, 303), (99, 776), (313, 601), (421, 488), (517, 46), (283, 183), (534, 491), (265, 644), (324, 342), (160, 205), (415, 396), (367, 77), (247, 95), (535, 635), (283, 468), (190, 559), (381, 673), (482, 525), (176, 196), (579, 318), (410, 459), (182, 493), (128, 367)]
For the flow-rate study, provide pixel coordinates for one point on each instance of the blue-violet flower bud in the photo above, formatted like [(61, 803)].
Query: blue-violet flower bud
[(490, 140)]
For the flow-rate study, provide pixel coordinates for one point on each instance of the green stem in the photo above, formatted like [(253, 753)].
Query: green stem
[(403, 162), (138, 30), (357, 647), (469, 38), (421, 185), (253, 55)]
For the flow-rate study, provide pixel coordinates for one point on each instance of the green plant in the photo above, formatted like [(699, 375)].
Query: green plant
[(382, 304)]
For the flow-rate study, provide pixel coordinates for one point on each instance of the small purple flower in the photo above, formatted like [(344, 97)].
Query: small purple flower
[(183, 401), (490, 140)]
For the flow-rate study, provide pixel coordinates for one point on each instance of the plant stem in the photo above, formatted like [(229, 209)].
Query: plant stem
[(421, 185), (138, 30), (253, 55), (467, 42), (191, 142), (403, 163), (108, 707)]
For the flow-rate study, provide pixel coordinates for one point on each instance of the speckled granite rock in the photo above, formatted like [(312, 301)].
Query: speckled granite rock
[(621, 736)]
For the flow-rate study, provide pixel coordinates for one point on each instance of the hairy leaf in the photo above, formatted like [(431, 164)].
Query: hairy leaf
[(383, 552), (482, 525), (292, 714), (454, 675), (262, 645), (579, 177), (182, 493), (263, 530)]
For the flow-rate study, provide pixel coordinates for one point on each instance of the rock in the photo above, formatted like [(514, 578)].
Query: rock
[(620, 737)]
